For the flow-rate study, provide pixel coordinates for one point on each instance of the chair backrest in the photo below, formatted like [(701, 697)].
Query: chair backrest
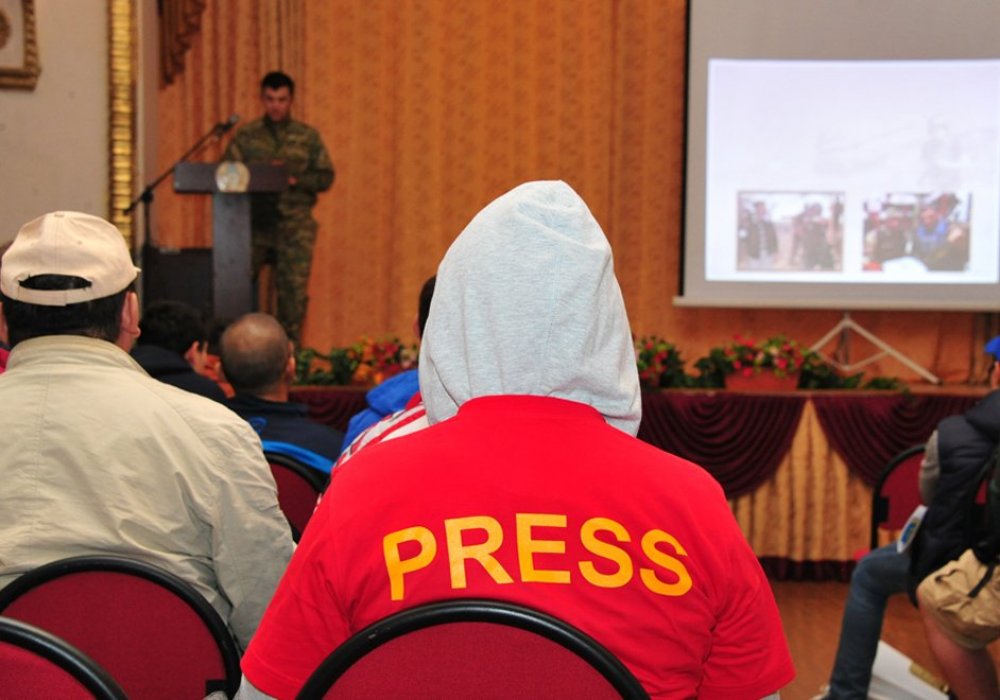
[(36, 664), (153, 632), (897, 492), (471, 648), (298, 488)]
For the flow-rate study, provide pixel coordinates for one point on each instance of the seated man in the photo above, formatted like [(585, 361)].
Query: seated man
[(98, 457), (172, 347), (395, 393), (956, 452), (529, 485), (257, 361)]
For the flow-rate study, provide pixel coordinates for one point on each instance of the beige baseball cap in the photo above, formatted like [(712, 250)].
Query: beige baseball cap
[(67, 243)]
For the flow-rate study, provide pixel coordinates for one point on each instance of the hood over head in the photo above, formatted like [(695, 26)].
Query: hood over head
[(527, 302)]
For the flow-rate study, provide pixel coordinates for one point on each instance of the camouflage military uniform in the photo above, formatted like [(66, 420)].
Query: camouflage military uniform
[(283, 227)]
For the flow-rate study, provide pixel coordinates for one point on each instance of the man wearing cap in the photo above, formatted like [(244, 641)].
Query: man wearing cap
[(100, 458)]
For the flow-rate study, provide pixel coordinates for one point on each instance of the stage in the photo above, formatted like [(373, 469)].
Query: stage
[(798, 467)]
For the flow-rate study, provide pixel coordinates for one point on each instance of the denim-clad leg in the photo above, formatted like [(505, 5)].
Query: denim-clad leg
[(878, 575)]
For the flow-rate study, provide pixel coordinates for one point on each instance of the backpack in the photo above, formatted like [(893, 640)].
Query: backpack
[(955, 523), (987, 548)]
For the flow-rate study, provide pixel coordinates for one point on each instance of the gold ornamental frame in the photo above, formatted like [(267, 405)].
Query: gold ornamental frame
[(22, 75), (121, 112)]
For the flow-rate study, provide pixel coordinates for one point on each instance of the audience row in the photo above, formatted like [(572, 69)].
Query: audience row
[(507, 467)]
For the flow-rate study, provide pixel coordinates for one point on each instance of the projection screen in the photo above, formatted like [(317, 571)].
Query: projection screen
[(843, 154)]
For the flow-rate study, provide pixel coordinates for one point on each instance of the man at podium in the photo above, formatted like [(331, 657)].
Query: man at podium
[(284, 229)]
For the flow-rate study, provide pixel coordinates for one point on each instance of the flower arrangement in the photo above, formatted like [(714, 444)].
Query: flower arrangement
[(371, 361), (377, 360), (367, 362), (659, 363), (747, 357), (777, 354)]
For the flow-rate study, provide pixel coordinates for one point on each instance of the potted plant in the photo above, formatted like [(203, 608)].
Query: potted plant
[(660, 364), (749, 365)]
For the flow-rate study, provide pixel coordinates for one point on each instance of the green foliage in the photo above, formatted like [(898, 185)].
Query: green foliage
[(818, 374), (885, 383), (660, 364), (658, 361), (314, 368)]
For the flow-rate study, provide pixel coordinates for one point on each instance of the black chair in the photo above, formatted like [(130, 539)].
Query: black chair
[(471, 648), (36, 664), (299, 487), (153, 632), (896, 492)]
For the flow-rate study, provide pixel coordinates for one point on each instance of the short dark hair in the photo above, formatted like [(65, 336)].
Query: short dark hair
[(254, 352), (172, 325), (424, 309), (275, 80), (97, 318)]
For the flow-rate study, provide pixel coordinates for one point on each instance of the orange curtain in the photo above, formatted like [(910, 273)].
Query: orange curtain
[(431, 108)]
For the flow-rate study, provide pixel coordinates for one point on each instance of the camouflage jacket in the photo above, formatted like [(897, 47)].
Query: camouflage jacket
[(301, 150)]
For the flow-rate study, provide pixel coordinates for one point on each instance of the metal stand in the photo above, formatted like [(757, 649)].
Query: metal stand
[(146, 196), (841, 358)]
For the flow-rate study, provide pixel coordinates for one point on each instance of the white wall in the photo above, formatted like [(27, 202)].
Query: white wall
[(54, 139)]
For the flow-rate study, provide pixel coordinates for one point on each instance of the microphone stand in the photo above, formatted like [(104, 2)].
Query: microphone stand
[(146, 196)]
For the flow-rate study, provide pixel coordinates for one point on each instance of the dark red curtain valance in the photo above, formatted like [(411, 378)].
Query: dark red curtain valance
[(869, 430), (742, 438), (739, 438)]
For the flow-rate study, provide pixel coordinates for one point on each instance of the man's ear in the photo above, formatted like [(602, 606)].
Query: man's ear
[(195, 355), (128, 328), (290, 368)]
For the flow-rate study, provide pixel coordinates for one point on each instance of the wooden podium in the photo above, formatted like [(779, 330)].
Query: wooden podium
[(232, 274)]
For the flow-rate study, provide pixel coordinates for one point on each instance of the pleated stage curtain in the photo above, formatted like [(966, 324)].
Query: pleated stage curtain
[(431, 108)]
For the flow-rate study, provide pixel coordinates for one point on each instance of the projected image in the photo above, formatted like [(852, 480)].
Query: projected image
[(907, 232), (790, 231)]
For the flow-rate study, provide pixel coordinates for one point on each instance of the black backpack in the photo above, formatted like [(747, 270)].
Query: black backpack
[(956, 523)]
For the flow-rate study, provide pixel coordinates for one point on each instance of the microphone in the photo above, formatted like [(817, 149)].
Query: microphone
[(223, 127)]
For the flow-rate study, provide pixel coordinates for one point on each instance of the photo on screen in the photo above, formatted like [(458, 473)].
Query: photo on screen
[(790, 231), (917, 233)]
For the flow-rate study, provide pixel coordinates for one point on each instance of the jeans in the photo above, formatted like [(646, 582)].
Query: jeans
[(878, 575)]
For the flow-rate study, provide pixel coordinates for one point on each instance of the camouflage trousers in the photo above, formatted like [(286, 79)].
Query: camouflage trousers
[(287, 247)]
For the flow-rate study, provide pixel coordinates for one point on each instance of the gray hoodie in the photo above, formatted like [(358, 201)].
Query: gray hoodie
[(527, 302)]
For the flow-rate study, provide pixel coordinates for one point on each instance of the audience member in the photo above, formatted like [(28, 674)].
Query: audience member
[(257, 360), (529, 484), (99, 458), (960, 602), (171, 347), (954, 457), (395, 393)]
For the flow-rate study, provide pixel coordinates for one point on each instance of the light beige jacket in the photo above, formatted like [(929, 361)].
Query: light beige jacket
[(97, 457)]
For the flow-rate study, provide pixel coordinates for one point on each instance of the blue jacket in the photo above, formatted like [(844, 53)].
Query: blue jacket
[(388, 397), (286, 428)]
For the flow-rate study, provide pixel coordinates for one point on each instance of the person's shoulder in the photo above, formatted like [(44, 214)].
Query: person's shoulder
[(667, 466), (308, 424), (196, 410), (251, 128), (301, 127)]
